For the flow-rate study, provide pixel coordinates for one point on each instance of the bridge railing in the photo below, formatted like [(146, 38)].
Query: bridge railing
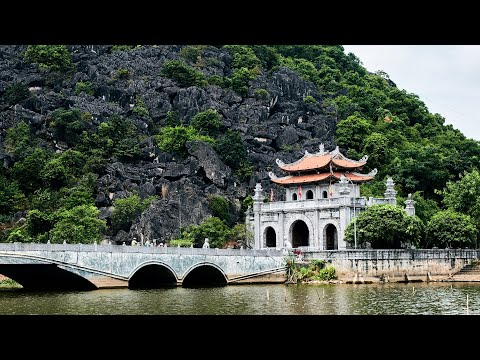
[(136, 249)]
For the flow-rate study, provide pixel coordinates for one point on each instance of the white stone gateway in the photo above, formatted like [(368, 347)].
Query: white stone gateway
[(322, 197)]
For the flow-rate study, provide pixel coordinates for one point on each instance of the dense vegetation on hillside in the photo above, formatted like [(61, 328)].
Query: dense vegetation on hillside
[(57, 157)]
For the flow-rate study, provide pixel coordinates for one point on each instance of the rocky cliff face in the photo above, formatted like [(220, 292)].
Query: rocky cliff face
[(279, 125)]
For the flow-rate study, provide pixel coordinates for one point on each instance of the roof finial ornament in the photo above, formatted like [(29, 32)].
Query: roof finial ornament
[(306, 152), (373, 172), (272, 175), (364, 158), (322, 149), (279, 162)]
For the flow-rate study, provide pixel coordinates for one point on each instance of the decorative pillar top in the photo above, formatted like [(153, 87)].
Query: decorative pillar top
[(258, 192), (410, 205), (344, 189), (390, 192)]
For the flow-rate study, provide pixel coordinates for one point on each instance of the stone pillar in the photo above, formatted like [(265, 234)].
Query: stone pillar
[(410, 205), (345, 201), (250, 226), (257, 207), (390, 193), (281, 231)]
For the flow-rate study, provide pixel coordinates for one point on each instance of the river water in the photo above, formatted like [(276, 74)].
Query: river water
[(434, 298)]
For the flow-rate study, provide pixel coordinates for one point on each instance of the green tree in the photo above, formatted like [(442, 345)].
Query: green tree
[(219, 206), (18, 235), (116, 137), (451, 229), (182, 73), (212, 228), (84, 87), (172, 119), (27, 172), (140, 108), (19, 140), (173, 139), (63, 169), (39, 222), (420, 168), (16, 92), (126, 210), (352, 132), (11, 197), (243, 57), (463, 196), (81, 194), (68, 125), (78, 225), (385, 227), (207, 122), (49, 57), (231, 149), (240, 79), (378, 150)]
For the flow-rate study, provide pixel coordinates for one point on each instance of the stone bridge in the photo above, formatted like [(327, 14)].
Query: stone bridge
[(90, 267)]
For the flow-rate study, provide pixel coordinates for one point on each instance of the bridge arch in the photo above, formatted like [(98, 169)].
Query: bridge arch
[(152, 275), (204, 274), (45, 277)]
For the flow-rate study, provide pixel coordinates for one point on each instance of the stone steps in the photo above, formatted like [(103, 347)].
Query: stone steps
[(469, 272)]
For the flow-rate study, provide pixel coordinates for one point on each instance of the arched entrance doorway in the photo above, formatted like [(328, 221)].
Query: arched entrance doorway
[(331, 237), (270, 237), (300, 234)]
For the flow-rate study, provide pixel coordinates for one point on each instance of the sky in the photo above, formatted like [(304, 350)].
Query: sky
[(445, 77)]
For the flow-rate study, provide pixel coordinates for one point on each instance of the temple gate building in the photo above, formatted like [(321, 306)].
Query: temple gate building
[(322, 197)]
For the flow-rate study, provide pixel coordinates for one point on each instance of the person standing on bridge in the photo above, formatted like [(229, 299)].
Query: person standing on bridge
[(206, 245)]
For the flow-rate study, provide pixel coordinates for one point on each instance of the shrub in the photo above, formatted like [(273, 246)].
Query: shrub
[(68, 125), (11, 197), (49, 57), (18, 235), (127, 210), (78, 225), (121, 74), (207, 122), (216, 80), (310, 100), (212, 228), (232, 150), (173, 139), (140, 108), (85, 87), (219, 207), (244, 171), (240, 80), (261, 94), (19, 140), (183, 74), (172, 119), (118, 48), (16, 92), (451, 229), (192, 52)]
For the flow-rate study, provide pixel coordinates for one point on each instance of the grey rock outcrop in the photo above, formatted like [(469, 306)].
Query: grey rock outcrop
[(279, 125)]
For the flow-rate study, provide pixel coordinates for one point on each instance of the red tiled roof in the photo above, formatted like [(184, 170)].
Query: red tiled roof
[(302, 179), (322, 160), (308, 163)]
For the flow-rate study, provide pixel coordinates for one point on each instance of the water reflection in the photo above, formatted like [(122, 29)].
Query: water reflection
[(274, 299)]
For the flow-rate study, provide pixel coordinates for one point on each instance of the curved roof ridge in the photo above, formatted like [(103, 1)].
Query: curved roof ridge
[(321, 159)]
